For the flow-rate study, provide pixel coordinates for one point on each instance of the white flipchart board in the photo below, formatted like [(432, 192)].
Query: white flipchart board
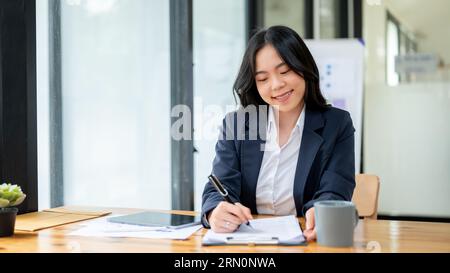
[(341, 68)]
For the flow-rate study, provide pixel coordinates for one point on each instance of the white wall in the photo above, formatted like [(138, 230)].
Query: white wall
[(407, 144), (406, 132)]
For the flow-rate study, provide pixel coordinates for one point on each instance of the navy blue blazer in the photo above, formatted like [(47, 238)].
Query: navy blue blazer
[(325, 168)]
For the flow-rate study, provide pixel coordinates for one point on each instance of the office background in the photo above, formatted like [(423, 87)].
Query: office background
[(87, 88)]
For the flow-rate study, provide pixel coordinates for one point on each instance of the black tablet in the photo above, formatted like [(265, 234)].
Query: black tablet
[(157, 219)]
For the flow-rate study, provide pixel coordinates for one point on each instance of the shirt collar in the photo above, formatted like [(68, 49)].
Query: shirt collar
[(272, 123)]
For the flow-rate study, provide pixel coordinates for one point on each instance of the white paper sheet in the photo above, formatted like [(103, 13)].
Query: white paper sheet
[(102, 228)]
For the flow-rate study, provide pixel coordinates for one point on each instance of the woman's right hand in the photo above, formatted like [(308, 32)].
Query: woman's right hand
[(227, 217)]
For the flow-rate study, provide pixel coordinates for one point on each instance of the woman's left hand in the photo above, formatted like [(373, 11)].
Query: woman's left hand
[(310, 231)]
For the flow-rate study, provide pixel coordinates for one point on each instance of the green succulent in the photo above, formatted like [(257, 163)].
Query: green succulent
[(10, 195)]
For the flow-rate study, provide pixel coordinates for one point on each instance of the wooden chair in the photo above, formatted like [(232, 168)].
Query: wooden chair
[(365, 195)]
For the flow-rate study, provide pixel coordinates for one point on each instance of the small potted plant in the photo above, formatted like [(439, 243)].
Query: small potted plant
[(10, 196)]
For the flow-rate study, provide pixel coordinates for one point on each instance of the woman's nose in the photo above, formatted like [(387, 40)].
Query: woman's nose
[(277, 83)]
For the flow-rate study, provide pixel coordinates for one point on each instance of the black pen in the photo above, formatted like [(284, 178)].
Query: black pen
[(221, 189)]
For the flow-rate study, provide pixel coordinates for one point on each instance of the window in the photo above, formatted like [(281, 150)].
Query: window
[(290, 13), (399, 41), (219, 44), (392, 51), (115, 103), (330, 19)]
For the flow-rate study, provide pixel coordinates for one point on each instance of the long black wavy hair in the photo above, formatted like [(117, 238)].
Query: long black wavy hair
[(294, 53)]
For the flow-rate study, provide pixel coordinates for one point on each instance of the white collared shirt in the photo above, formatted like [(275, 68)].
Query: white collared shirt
[(275, 188)]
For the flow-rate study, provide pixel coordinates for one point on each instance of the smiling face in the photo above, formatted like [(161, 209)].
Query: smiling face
[(277, 83)]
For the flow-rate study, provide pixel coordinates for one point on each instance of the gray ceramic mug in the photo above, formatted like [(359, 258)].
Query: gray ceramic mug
[(335, 222)]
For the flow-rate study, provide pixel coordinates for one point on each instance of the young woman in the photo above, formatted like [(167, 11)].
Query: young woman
[(311, 154)]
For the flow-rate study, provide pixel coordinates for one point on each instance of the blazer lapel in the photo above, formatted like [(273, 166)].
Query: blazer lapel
[(310, 145)]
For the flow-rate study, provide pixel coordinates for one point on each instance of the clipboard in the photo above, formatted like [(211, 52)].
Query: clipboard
[(283, 230), (298, 241)]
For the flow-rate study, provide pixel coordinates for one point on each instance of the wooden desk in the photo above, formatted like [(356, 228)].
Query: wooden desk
[(370, 236)]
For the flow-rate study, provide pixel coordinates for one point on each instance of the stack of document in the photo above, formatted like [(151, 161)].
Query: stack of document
[(283, 230), (103, 228)]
